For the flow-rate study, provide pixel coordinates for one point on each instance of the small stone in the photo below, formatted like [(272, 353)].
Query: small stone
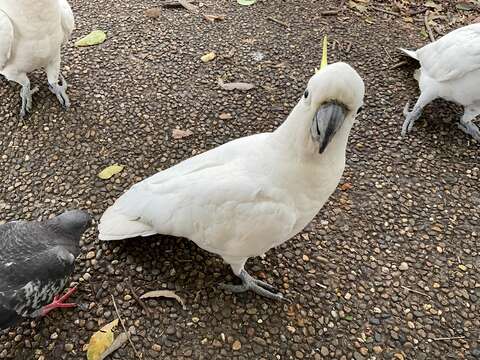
[(291, 329), (324, 351), (54, 336), (403, 266), (399, 356), (298, 354), (358, 356), (348, 296), (90, 325), (68, 347), (377, 349), (363, 351), (90, 255), (170, 330), (237, 345), (156, 347), (127, 297), (86, 276)]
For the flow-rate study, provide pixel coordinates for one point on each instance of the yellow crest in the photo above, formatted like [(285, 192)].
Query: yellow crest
[(324, 62)]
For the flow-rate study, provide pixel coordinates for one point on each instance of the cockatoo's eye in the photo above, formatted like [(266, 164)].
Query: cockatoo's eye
[(305, 94)]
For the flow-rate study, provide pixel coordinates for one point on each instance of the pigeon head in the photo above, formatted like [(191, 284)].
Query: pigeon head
[(73, 222), (331, 101)]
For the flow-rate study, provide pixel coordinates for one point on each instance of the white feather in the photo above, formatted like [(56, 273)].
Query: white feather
[(251, 194)]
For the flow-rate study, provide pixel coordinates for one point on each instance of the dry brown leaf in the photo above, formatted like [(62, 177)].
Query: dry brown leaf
[(180, 134), (225, 116), (153, 13), (235, 85), (117, 344), (213, 18), (163, 293)]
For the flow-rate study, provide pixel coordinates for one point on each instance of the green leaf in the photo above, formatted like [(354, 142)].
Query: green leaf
[(246, 2), (109, 171), (94, 38)]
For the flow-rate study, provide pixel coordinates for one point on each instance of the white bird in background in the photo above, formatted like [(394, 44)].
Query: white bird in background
[(31, 33), (243, 198), (450, 69)]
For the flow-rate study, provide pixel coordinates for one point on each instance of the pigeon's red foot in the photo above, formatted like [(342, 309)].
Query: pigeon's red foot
[(58, 302)]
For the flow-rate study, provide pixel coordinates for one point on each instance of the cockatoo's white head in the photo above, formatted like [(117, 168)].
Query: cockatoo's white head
[(332, 99)]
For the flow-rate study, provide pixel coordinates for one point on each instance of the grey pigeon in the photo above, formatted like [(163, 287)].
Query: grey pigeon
[(36, 260)]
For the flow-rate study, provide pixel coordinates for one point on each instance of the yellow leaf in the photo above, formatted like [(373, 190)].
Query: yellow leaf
[(100, 341), (208, 57), (94, 38), (109, 171)]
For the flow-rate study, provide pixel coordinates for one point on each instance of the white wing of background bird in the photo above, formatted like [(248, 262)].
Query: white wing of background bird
[(6, 36), (68, 22), (452, 56)]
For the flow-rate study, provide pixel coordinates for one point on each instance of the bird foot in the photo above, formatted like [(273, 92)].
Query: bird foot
[(470, 129), (26, 95), (61, 92), (255, 285), (410, 118), (58, 302)]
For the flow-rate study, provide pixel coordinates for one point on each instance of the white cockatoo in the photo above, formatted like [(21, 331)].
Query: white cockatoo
[(32, 33), (449, 69), (249, 195)]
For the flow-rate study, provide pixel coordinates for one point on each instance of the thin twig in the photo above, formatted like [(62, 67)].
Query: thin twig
[(386, 52), (417, 12), (137, 298), (449, 338), (125, 329), (385, 11), (429, 30), (329, 12), (415, 291), (397, 65), (277, 21)]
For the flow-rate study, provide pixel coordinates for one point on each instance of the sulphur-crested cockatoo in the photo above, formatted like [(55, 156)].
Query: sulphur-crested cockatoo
[(254, 193), (449, 69), (31, 33)]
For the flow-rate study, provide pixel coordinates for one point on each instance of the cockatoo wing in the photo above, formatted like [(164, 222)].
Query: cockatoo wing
[(68, 22), (222, 208), (452, 56), (6, 38)]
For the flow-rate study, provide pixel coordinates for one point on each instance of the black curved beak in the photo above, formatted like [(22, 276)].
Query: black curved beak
[(328, 119)]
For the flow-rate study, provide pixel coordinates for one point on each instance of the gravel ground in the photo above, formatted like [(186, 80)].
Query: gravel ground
[(388, 268)]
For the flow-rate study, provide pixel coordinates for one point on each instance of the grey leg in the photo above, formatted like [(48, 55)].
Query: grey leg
[(466, 122), (412, 116), (257, 286)]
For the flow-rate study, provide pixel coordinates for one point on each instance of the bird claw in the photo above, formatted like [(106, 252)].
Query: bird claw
[(257, 286), (26, 95), (61, 92), (58, 302), (470, 129)]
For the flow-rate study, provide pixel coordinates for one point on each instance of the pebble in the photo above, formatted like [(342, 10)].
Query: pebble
[(90, 255), (237, 345), (324, 351), (68, 347), (403, 266), (156, 347)]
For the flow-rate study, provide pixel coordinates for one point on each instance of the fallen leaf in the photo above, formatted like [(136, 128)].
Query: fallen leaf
[(212, 18), (225, 116), (180, 134), (153, 13), (346, 186), (117, 344), (163, 293), (94, 38), (235, 85), (246, 2), (208, 57), (109, 171), (358, 7), (101, 341), (466, 6)]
